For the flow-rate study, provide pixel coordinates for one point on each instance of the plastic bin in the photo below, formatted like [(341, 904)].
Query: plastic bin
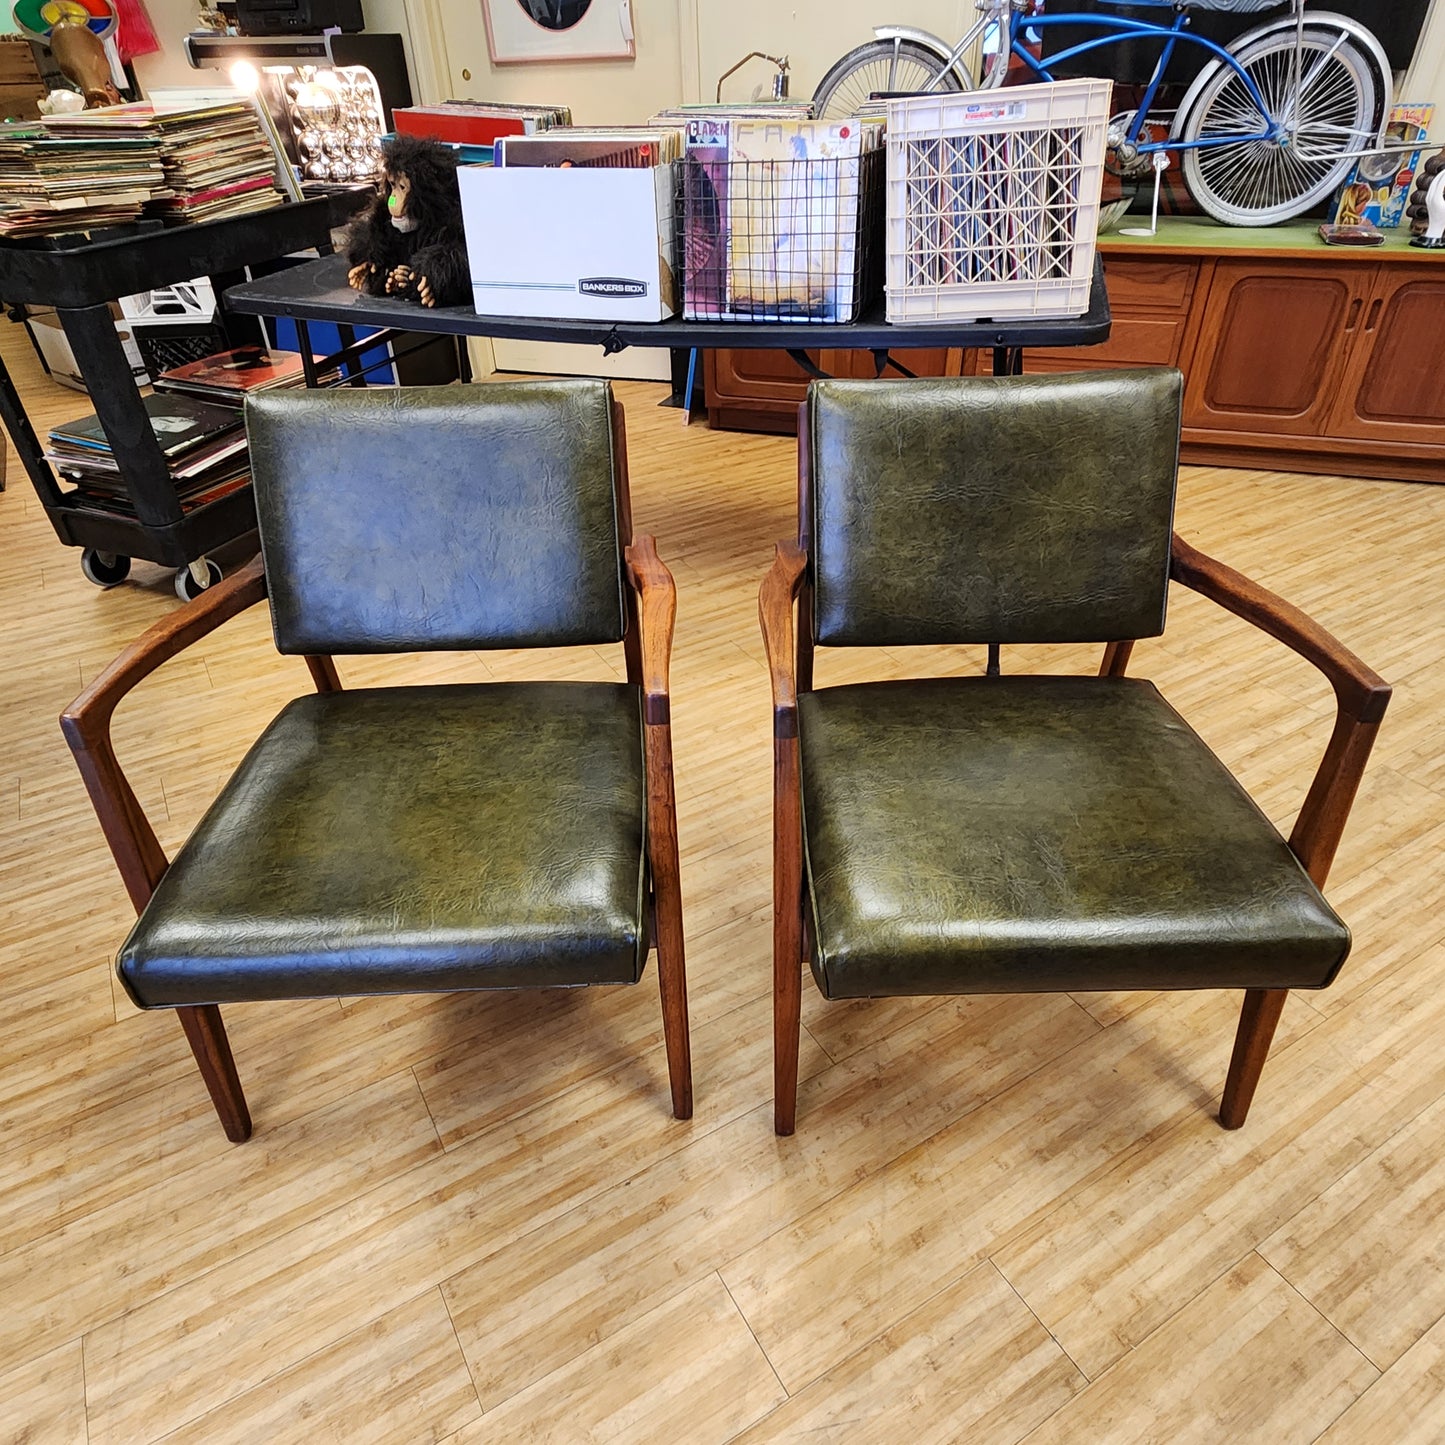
[(993, 201)]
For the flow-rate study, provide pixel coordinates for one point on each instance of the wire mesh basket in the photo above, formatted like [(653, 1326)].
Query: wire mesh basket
[(993, 201), (782, 240)]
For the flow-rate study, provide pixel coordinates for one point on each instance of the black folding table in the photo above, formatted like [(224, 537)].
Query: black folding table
[(318, 292)]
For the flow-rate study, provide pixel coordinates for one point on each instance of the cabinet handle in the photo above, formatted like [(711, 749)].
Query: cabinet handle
[(1354, 313), (1374, 318)]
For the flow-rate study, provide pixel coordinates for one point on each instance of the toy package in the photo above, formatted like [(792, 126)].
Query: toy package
[(1377, 189)]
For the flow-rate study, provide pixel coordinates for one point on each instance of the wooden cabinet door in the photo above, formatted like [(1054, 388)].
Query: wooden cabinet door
[(1394, 383), (757, 390), (920, 360), (754, 390), (1272, 345), (750, 376), (1149, 299)]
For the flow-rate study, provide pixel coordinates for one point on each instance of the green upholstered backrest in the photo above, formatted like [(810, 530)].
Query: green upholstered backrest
[(992, 509), (452, 517)]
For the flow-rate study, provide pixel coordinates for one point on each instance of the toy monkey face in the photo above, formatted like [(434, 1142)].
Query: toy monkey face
[(398, 195)]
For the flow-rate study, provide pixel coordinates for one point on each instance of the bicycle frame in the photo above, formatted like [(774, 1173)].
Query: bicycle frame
[(1118, 28)]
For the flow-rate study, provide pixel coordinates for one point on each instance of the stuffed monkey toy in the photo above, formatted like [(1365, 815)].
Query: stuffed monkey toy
[(408, 242)]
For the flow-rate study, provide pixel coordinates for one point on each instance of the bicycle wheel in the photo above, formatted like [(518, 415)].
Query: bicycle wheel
[(880, 65), (1262, 182)]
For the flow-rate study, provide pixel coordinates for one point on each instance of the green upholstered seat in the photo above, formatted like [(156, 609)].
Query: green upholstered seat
[(1015, 834), (412, 839)]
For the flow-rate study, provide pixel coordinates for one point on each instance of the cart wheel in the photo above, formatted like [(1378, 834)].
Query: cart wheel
[(105, 569), (189, 586)]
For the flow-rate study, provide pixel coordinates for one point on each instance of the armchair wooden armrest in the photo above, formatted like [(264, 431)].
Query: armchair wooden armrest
[(86, 723), (657, 593), (1361, 696), (775, 613)]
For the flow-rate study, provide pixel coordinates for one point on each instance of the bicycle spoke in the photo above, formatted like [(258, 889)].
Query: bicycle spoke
[(1308, 80), (1315, 111)]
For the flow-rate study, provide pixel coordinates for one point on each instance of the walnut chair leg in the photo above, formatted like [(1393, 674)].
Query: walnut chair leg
[(1257, 1022), (787, 928), (207, 1037), (787, 1011), (787, 1002), (672, 985)]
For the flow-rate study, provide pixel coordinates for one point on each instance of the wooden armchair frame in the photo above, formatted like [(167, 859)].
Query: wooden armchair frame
[(1361, 699), (650, 609)]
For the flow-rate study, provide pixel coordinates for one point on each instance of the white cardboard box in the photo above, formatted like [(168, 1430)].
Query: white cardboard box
[(572, 244), (54, 348)]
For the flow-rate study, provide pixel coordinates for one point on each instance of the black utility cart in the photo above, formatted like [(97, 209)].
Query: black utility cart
[(80, 283)]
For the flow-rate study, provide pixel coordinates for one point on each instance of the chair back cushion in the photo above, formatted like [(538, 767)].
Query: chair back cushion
[(450, 517), (992, 509)]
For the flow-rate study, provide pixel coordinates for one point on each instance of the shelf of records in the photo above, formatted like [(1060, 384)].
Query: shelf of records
[(980, 208), (195, 412)]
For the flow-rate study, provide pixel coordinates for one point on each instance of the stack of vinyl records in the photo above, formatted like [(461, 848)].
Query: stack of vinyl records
[(229, 377), (477, 122), (204, 446), (218, 163), (780, 215), (54, 184), (597, 147), (216, 157)]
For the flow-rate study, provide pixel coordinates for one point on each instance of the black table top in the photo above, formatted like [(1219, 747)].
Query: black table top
[(122, 264), (318, 291)]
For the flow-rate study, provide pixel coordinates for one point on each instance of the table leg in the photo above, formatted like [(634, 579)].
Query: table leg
[(308, 359), (1008, 361)]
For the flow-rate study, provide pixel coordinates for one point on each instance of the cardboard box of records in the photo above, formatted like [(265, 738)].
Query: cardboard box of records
[(575, 223)]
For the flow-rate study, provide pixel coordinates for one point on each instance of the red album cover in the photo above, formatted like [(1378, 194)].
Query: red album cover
[(247, 368), (459, 125)]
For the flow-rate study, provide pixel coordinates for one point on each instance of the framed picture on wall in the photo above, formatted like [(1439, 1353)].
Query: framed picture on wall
[(519, 31)]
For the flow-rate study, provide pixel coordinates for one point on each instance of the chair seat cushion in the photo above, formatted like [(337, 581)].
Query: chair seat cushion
[(1000, 835), (411, 839)]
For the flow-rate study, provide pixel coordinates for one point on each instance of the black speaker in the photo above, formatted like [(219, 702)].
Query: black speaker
[(298, 17)]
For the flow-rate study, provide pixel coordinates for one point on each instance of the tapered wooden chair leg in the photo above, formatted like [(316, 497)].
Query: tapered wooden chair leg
[(787, 1005), (1257, 1022), (787, 929), (207, 1037), (787, 1019), (672, 985)]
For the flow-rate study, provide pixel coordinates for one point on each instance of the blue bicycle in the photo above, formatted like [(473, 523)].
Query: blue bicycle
[(1269, 127)]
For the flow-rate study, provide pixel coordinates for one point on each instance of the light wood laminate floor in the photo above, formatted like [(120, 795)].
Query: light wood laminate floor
[(473, 1219)]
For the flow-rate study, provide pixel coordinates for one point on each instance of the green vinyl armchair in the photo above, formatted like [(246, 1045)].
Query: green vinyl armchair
[(420, 838), (1013, 834)]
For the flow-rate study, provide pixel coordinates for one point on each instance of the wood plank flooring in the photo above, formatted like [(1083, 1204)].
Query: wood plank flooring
[(472, 1218)]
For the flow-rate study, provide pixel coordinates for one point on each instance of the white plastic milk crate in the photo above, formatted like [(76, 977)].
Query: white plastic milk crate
[(993, 201)]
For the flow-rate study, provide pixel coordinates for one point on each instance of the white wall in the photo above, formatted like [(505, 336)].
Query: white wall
[(1426, 79), (171, 20), (811, 33), (600, 92)]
